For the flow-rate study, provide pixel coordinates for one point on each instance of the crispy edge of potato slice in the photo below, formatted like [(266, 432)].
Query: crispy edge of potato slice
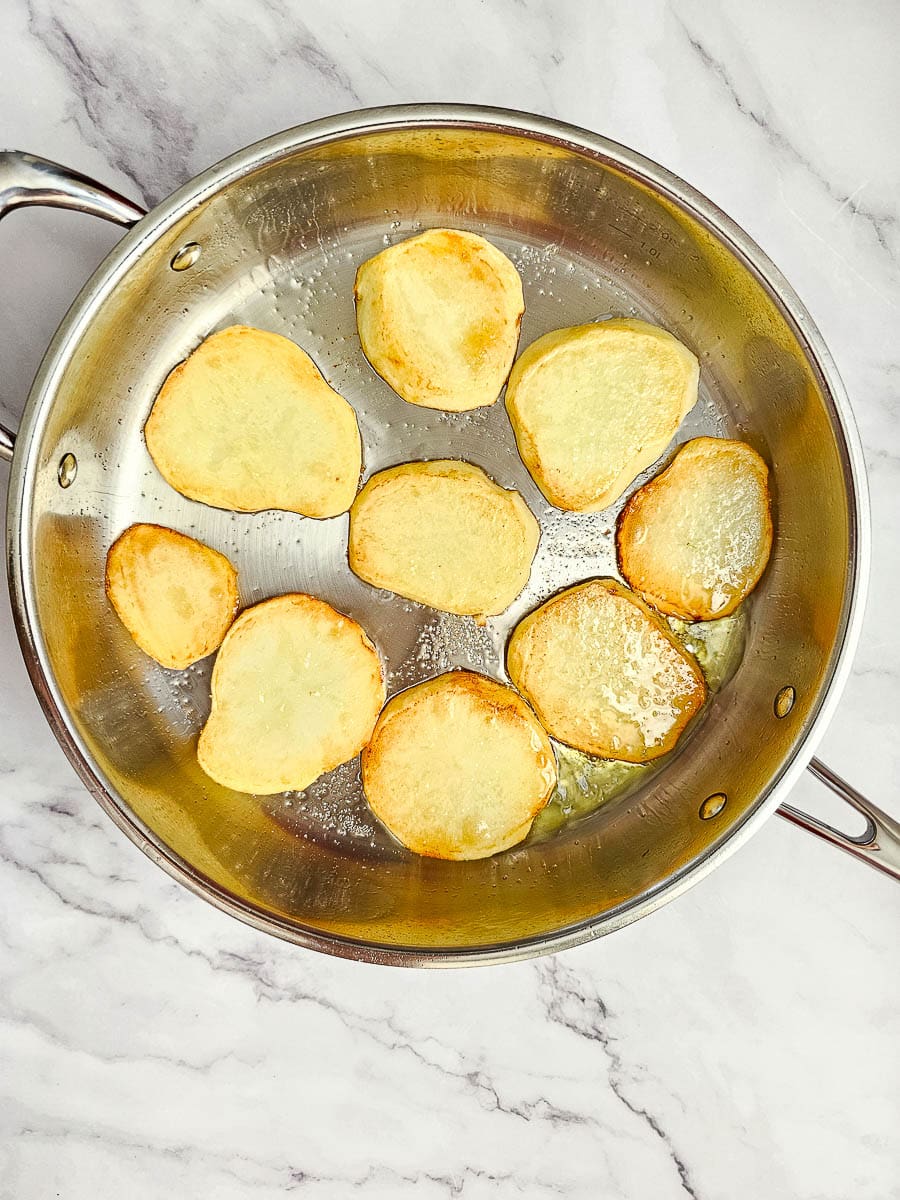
[(576, 496), (119, 585), (373, 684), (326, 503), (364, 564), (383, 347), (500, 703), (517, 667), (666, 593)]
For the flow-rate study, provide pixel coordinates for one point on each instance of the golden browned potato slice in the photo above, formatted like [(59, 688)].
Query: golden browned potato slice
[(458, 767), (175, 596), (594, 405), (696, 539), (443, 533), (604, 674), (438, 318), (247, 422), (296, 691)]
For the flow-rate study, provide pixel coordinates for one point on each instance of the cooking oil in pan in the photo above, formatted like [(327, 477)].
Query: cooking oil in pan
[(333, 809), (586, 783), (309, 297)]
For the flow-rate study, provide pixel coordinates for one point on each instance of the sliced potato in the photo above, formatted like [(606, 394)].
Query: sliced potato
[(247, 422), (438, 318), (443, 533), (176, 597), (296, 691), (604, 673), (458, 767), (696, 539), (594, 405)]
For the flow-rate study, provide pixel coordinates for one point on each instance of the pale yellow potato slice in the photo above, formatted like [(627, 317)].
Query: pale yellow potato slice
[(296, 691), (696, 539), (594, 405), (458, 767), (604, 673), (176, 597), (443, 533), (247, 422), (438, 318)]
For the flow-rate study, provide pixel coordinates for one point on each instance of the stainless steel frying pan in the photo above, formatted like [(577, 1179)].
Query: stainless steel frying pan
[(272, 237)]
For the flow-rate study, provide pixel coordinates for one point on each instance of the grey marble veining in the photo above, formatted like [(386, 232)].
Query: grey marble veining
[(742, 1042)]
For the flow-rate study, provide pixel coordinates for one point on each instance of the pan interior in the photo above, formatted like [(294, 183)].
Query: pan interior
[(279, 249)]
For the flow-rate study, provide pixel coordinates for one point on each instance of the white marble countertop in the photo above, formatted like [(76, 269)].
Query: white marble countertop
[(741, 1043)]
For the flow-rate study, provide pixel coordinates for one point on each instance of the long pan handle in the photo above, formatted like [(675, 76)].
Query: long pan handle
[(27, 179), (878, 844)]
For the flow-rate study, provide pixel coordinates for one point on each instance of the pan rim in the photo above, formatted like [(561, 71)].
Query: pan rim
[(390, 119)]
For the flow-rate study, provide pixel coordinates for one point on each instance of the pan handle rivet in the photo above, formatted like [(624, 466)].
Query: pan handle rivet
[(712, 806), (784, 702), (186, 256), (67, 470)]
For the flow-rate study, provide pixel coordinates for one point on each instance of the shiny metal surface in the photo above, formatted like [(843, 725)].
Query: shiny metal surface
[(186, 257), (878, 844), (594, 229), (26, 179)]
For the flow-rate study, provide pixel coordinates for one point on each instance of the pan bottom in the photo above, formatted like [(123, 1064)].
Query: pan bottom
[(308, 296)]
